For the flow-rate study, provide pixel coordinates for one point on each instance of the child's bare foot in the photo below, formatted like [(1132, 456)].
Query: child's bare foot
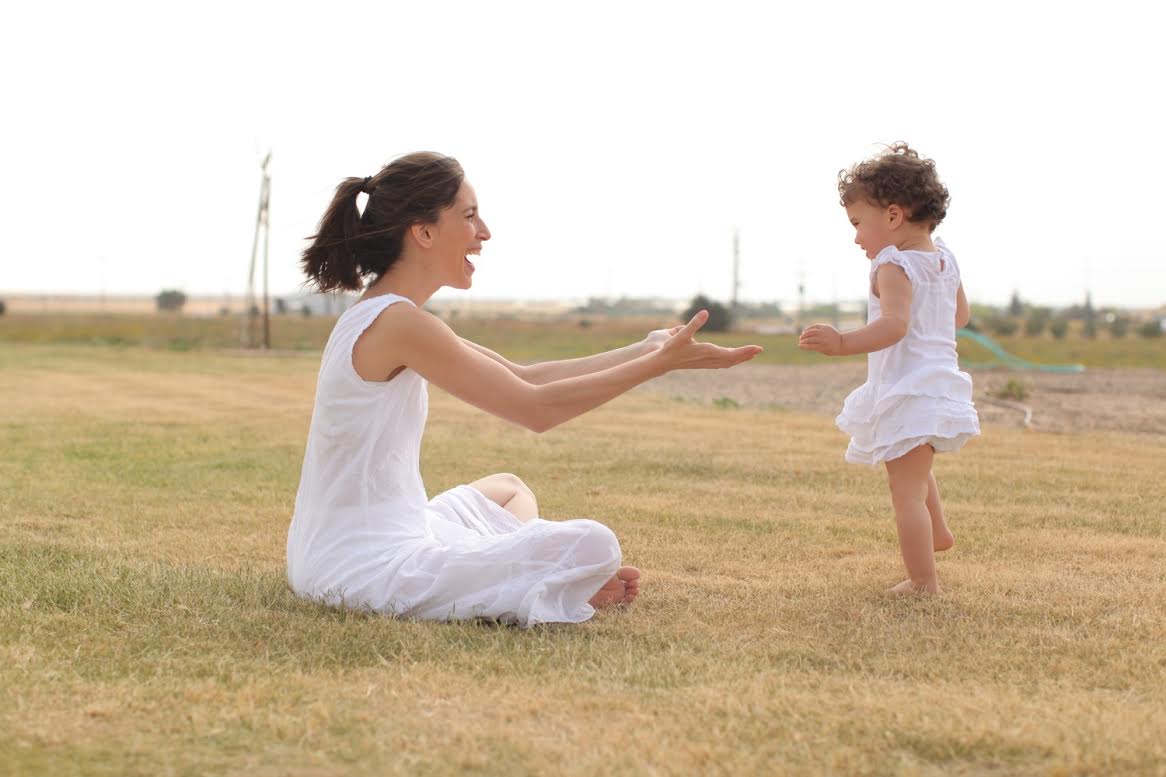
[(908, 587), (622, 588), (944, 539)]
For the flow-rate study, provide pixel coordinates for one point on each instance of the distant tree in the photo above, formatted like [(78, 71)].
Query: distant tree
[(3, 307), (305, 310), (1152, 328), (1119, 325), (1059, 327), (1037, 320), (1001, 326), (280, 306), (719, 317), (1016, 306), (170, 300)]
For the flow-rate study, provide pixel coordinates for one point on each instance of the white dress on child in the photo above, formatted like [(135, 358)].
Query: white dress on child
[(915, 393), (365, 536)]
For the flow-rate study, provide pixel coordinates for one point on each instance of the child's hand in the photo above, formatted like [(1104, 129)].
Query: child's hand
[(822, 338)]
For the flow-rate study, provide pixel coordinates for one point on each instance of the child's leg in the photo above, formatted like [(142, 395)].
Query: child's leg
[(940, 533), (909, 475)]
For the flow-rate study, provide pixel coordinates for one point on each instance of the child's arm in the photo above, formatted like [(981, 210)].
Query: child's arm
[(963, 313), (894, 293)]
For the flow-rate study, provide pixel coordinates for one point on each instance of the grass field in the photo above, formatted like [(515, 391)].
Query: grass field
[(146, 627), (523, 340)]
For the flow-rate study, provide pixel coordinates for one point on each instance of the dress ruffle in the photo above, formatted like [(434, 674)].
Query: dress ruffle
[(915, 393)]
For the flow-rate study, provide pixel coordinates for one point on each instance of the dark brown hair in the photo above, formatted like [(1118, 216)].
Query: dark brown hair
[(349, 247), (898, 176)]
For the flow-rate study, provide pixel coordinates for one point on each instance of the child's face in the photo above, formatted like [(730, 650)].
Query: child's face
[(874, 226)]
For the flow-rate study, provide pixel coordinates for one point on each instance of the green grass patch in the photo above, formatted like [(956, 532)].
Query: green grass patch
[(524, 341)]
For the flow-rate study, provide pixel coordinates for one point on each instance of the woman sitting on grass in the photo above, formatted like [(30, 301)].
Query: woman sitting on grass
[(364, 535)]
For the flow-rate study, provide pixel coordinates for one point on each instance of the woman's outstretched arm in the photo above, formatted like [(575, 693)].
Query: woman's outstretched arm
[(404, 336), (546, 372)]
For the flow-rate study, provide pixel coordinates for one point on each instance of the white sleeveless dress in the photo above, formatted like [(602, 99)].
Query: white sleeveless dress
[(364, 535), (915, 393)]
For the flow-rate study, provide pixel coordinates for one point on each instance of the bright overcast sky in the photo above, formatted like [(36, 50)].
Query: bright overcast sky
[(614, 146)]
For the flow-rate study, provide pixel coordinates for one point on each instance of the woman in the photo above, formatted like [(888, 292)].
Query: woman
[(364, 534)]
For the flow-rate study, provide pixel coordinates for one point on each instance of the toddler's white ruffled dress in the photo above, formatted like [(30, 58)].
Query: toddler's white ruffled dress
[(915, 393)]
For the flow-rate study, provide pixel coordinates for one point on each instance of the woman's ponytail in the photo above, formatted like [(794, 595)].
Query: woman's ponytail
[(330, 261)]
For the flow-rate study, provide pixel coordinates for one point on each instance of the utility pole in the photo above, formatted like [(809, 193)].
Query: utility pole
[(736, 274), (835, 311), (801, 300), (262, 223)]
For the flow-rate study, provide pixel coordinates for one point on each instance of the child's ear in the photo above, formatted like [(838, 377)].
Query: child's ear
[(895, 216)]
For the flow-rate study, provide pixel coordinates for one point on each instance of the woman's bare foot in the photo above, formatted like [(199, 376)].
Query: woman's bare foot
[(944, 539), (622, 588), (908, 587)]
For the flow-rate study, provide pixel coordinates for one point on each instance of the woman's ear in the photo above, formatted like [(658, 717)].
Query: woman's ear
[(422, 233)]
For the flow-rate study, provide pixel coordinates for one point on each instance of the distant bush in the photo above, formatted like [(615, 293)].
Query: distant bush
[(170, 300), (719, 318), (1001, 326), (1119, 326), (1013, 389), (1150, 329), (1059, 327), (280, 306), (3, 307), (1037, 320)]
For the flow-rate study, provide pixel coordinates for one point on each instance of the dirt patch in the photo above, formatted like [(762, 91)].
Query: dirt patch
[(1116, 400)]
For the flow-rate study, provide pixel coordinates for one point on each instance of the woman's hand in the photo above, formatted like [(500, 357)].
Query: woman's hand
[(681, 352), (822, 338), (657, 337)]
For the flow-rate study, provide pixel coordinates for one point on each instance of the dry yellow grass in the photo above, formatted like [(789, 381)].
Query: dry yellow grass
[(145, 627)]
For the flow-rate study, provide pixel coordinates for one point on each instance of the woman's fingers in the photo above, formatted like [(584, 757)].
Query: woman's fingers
[(711, 356), (695, 323)]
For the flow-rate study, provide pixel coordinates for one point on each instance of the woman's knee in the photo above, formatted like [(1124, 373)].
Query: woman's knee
[(502, 487), (599, 544), (516, 483)]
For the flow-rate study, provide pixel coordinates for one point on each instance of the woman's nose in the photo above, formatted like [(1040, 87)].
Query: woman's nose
[(484, 231)]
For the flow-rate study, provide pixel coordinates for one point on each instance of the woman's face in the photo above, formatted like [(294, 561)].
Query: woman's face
[(459, 235)]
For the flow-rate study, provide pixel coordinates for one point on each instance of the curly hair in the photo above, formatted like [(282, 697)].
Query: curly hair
[(898, 176)]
